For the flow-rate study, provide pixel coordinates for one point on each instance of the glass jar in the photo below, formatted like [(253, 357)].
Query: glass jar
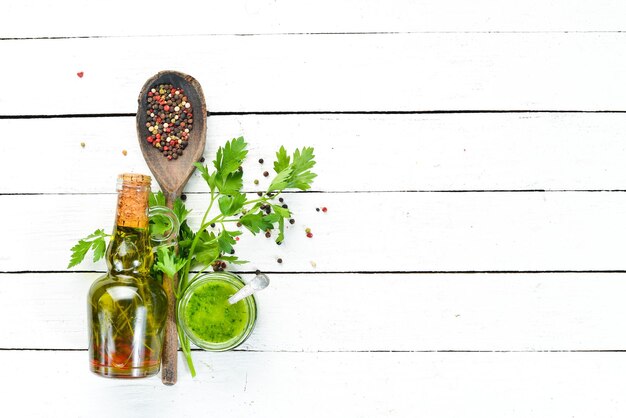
[(209, 320)]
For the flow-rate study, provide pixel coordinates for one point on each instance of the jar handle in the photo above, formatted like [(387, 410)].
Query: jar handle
[(168, 239)]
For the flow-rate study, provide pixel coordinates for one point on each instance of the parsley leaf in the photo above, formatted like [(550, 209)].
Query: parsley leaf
[(232, 259), (230, 156), (95, 241), (157, 199), (294, 175), (285, 213), (168, 262), (209, 178), (231, 205), (282, 160), (226, 240), (207, 249), (180, 210), (255, 222)]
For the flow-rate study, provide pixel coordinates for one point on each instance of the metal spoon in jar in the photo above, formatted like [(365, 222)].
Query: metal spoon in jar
[(260, 282)]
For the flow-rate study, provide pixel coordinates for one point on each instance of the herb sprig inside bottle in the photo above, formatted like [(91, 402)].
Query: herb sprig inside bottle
[(201, 250)]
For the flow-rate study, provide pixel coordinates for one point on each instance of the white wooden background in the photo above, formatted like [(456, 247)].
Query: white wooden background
[(471, 156)]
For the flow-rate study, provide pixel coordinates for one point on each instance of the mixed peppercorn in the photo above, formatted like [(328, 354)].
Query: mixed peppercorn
[(170, 120)]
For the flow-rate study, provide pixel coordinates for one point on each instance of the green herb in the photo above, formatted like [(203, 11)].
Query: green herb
[(95, 242), (200, 250)]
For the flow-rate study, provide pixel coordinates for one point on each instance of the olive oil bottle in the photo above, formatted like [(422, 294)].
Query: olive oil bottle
[(127, 307)]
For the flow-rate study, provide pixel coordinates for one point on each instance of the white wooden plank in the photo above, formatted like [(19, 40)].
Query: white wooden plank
[(31, 18), (354, 152), (401, 72), (365, 231), (559, 385), (344, 312)]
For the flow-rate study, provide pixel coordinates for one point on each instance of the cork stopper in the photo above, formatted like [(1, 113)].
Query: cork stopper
[(132, 202)]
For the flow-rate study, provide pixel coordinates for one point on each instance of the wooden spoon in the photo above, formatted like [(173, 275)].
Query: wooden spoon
[(172, 176)]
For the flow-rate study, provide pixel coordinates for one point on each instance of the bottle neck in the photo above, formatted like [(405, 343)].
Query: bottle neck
[(130, 250)]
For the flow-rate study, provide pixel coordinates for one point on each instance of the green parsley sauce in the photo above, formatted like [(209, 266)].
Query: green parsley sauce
[(209, 315)]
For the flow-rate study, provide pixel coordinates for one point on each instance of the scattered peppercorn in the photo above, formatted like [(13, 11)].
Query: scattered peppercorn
[(232, 251), (280, 260), (183, 197), (124, 152), (212, 225), (308, 230), (324, 209), (268, 234), (292, 221), (257, 272), (260, 160), (279, 242), (309, 235), (317, 209), (82, 144), (256, 181), (259, 193), (80, 74), (239, 224), (265, 174), (285, 206), (201, 159), (281, 200)]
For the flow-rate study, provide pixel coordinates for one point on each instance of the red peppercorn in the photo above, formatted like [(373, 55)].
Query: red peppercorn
[(166, 108), (150, 139), (165, 148), (236, 238), (324, 209), (309, 235)]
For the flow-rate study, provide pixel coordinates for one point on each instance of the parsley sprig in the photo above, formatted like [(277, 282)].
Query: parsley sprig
[(202, 249)]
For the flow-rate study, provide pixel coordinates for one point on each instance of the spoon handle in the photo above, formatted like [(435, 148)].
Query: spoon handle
[(169, 361)]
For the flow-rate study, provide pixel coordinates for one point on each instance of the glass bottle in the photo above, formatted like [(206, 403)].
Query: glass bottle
[(127, 308)]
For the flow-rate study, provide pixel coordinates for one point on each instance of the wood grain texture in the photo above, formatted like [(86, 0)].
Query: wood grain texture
[(401, 72), (367, 232), (429, 152), (365, 312), (282, 16), (447, 385)]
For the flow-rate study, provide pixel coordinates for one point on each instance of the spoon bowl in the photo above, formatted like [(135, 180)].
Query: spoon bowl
[(172, 175)]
